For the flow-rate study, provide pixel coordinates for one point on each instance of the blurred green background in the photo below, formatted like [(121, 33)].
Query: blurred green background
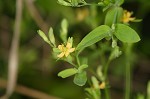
[(37, 68)]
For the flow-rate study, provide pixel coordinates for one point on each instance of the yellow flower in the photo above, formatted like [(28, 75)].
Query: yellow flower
[(65, 50), (102, 85), (127, 16)]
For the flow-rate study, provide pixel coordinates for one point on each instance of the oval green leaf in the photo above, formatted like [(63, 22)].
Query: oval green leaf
[(94, 36), (44, 37), (126, 34), (67, 72), (51, 36), (113, 15), (80, 78)]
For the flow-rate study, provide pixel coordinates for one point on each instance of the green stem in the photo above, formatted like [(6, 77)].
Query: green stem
[(128, 80), (128, 72), (107, 93), (77, 58), (106, 68), (72, 64)]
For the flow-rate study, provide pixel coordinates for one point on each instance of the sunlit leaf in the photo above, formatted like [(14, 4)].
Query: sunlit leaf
[(137, 20), (94, 36), (73, 3), (62, 2), (93, 93), (51, 36), (95, 82), (80, 78), (41, 33), (67, 72), (82, 67), (126, 34), (118, 2), (100, 73), (113, 15)]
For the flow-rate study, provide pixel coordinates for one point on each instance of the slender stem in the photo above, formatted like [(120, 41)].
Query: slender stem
[(107, 93), (13, 55), (128, 81), (72, 64), (77, 58), (106, 68), (128, 72)]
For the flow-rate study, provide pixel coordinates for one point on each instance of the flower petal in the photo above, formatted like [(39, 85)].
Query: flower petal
[(67, 53), (71, 50), (60, 47), (68, 45), (127, 16), (61, 55)]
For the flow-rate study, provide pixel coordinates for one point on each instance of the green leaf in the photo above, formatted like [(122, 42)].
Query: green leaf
[(96, 94), (82, 67), (95, 82), (137, 20), (100, 73), (107, 7), (126, 34), (80, 78), (62, 2), (93, 93), (67, 72), (64, 26), (64, 30), (41, 33), (51, 36), (113, 15), (73, 3), (94, 36), (106, 2), (119, 2)]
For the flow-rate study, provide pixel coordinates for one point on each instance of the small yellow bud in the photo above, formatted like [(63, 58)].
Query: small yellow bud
[(102, 85)]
